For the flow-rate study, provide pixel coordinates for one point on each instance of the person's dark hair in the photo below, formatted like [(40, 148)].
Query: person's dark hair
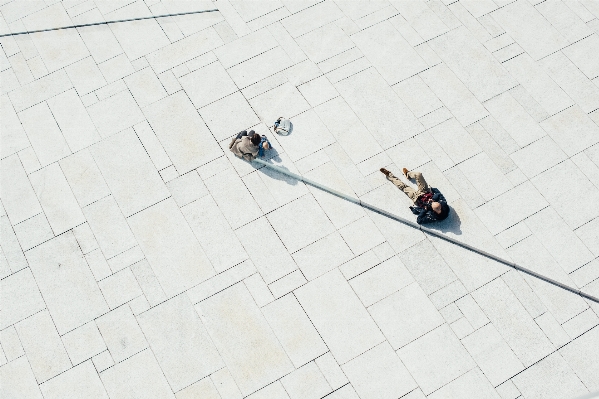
[(444, 211), (254, 137)]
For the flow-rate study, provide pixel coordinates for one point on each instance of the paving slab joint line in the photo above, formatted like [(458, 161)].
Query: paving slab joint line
[(427, 230), (107, 22)]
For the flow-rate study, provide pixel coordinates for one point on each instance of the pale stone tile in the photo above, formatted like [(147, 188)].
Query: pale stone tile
[(552, 377), (148, 282), (225, 32), (274, 390), (454, 94), (116, 68), (472, 384), (538, 156), (589, 235), (508, 390), (207, 84), (312, 18), (318, 91), (322, 256), (581, 323), (80, 381), (110, 90), (246, 47), (219, 114), (578, 54), (169, 173), (202, 389), (581, 354), (115, 113), (433, 274), (381, 281), (389, 120), (566, 174), (486, 77), (152, 145), (228, 192), (362, 235), (286, 284), (9, 81), (60, 263), (513, 322), (448, 294), (60, 48), (259, 290), (479, 8), (349, 69), (451, 313), (13, 135), (100, 42), (295, 233), (109, 227), (180, 342), (231, 16), (435, 359), (331, 371), (73, 120), (187, 188), (553, 330), (29, 160), (294, 330), (226, 386), (306, 382), (44, 134), (405, 315), (134, 188), (422, 18), (572, 81), (221, 281), (523, 291), (337, 61), (572, 130), (138, 375), (485, 176), (97, 264), (259, 67), (586, 165), (57, 199), (21, 69), (83, 343), (145, 87), (417, 96), (18, 379), (467, 191), (47, 356), (33, 231), (243, 339), (103, 361), (449, 134), (276, 189), (171, 247), (375, 17), (119, 288), (359, 265), (510, 208), (20, 297), (472, 312), (264, 85), (121, 333), (11, 344), (340, 318), (284, 100), (569, 25), (85, 238)]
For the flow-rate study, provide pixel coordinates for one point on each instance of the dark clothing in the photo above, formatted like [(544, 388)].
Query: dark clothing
[(425, 212)]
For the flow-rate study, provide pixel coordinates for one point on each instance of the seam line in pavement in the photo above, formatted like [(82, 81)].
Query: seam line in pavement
[(107, 22), (428, 231)]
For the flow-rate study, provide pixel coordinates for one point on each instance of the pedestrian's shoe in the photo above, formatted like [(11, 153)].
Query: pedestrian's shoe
[(385, 172), (405, 172)]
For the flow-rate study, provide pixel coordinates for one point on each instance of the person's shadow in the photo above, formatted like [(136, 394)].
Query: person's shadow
[(449, 225), (272, 156)]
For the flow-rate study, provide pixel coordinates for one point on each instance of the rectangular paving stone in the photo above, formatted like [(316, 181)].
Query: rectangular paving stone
[(245, 48), (18, 196), (47, 356), (322, 256), (243, 339), (448, 134), (473, 383), (57, 199), (513, 322), (312, 18), (579, 355), (84, 177), (207, 84), (13, 137), (59, 48), (577, 53), (100, 42), (180, 342), (538, 156), (67, 284), (486, 77), (340, 318), (171, 247), (306, 382), (138, 375), (120, 288), (18, 379), (83, 342), (145, 87), (182, 132), (436, 359), (80, 381), (432, 275), (389, 120), (218, 114), (294, 330), (129, 172), (259, 67), (282, 100), (417, 96), (454, 94), (318, 50), (115, 113), (86, 76), (572, 130), (152, 145), (21, 298)]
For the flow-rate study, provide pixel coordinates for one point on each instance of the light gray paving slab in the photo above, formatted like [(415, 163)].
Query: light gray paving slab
[(18, 380), (389, 120), (581, 323), (331, 371), (202, 389), (18, 196), (134, 188), (62, 275), (246, 343), (121, 333), (138, 375), (473, 383), (115, 113), (580, 354), (552, 377), (432, 275), (120, 288), (109, 226), (83, 343), (184, 264), (192, 145), (259, 67), (226, 386), (295, 331), (311, 18), (100, 42), (86, 76), (322, 256), (21, 297), (492, 354), (33, 231), (145, 87), (510, 208), (80, 381), (406, 315), (567, 174), (59, 48), (572, 130), (436, 359), (57, 199), (325, 42), (283, 100), (486, 77), (207, 84), (47, 356), (565, 20), (538, 156), (449, 134), (339, 317), (180, 342), (422, 18), (381, 281), (287, 284), (513, 322), (577, 53), (306, 382), (219, 114), (454, 94), (417, 96), (13, 137)]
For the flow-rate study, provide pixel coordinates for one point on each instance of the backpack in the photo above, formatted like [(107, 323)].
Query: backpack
[(282, 126)]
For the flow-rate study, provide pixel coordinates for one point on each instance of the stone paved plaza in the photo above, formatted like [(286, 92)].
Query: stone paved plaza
[(141, 259)]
